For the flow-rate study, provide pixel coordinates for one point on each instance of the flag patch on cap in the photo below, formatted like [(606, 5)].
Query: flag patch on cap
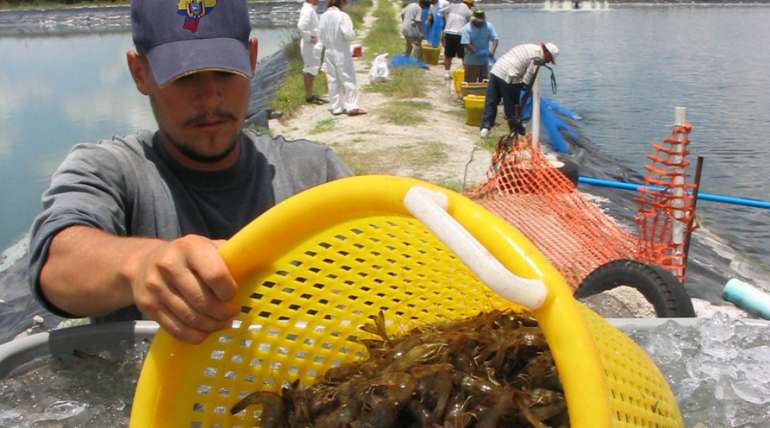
[(193, 11)]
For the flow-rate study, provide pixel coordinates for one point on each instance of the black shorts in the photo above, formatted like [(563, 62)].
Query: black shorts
[(452, 46)]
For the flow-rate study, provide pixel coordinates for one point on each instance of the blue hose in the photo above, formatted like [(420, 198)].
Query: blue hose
[(712, 197)]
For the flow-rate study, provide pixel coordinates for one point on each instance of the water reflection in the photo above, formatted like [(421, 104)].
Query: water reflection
[(58, 91)]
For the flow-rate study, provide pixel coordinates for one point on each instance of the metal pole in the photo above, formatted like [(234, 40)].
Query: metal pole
[(678, 205), (698, 170), (536, 113)]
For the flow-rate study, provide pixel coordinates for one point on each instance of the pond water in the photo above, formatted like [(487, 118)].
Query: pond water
[(624, 68), (68, 87)]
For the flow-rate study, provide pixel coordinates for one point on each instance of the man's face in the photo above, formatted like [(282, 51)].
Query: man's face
[(200, 114)]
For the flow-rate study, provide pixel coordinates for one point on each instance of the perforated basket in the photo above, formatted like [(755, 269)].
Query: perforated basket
[(319, 265)]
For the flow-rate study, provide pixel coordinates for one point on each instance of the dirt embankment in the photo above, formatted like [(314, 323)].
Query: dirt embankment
[(436, 149)]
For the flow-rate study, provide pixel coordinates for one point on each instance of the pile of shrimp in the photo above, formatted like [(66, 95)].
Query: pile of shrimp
[(493, 370)]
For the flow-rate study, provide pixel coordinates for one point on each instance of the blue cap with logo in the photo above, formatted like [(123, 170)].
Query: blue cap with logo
[(181, 37)]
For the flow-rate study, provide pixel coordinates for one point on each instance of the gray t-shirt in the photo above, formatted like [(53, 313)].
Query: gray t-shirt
[(410, 26), (131, 187)]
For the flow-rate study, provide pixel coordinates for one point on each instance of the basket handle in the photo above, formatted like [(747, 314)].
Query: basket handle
[(430, 208)]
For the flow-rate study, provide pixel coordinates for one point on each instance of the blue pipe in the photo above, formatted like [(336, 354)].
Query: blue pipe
[(747, 297), (713, 197)]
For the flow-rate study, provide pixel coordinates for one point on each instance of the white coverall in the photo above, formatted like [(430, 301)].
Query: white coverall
[(336, 33), (308, 27)]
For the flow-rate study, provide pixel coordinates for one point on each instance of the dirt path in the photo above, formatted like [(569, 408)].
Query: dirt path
[(436, 150)]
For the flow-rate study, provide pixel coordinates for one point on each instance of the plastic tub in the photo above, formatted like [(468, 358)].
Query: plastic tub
[(29, 352), (20, 355), (474, 109)]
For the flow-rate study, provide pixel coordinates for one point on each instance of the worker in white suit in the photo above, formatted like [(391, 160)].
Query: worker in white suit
[(308, 47), (336, 33)]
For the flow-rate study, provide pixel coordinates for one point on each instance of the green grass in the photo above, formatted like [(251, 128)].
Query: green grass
[(323, 125), (405, 112), (261, 129), (420, 155), (405, 82), (357, 11), (291, 95), (384, 36)]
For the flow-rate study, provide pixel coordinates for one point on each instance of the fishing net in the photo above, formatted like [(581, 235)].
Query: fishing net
[(525, 189)]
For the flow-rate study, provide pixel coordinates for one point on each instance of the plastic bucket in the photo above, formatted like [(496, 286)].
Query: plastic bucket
[(458, 75), (474, 109), (430, 55), (478, 88)]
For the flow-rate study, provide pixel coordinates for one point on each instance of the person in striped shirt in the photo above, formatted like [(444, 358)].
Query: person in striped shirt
[(513, 72)]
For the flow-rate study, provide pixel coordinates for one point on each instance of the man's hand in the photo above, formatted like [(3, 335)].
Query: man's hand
[(185, 286), (538, 61)]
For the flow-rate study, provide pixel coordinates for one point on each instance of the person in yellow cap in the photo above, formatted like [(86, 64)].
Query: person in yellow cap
[(457, 15), (512, 73)]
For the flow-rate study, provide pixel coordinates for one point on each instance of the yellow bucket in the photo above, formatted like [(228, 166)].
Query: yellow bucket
[(458, 76), (320, 264), (474, 109), (430, 55), (476, 88), (324, 81)]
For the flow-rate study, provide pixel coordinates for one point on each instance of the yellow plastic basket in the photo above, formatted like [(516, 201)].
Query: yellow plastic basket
[(317, 266)]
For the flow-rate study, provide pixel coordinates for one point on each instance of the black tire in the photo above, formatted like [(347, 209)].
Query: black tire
[(658, 286)]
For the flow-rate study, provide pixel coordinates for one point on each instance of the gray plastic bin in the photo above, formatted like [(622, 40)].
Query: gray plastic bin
[(28, 352)]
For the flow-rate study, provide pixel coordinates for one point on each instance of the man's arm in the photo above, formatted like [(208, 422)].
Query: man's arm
[(493, 49), (183, 284)]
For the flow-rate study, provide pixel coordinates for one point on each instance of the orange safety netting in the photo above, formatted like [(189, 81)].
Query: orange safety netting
[(666, 215), (528, 192)]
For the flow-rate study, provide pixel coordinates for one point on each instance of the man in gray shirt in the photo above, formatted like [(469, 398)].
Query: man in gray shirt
[(411, 27), (130, 226)]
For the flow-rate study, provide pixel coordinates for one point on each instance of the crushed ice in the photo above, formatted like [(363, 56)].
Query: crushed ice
[(718, 369)]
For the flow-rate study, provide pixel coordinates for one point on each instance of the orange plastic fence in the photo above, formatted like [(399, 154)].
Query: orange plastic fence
[(665, 215), (528, 192)]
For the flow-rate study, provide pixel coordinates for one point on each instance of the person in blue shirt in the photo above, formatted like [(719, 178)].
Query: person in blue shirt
[(479, 40)]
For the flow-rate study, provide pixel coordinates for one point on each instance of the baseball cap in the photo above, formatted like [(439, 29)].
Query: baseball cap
[(479, 15), (181, 37), (553, 49)]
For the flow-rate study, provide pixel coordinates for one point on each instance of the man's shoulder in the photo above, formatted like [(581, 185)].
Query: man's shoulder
[(123, 148)]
